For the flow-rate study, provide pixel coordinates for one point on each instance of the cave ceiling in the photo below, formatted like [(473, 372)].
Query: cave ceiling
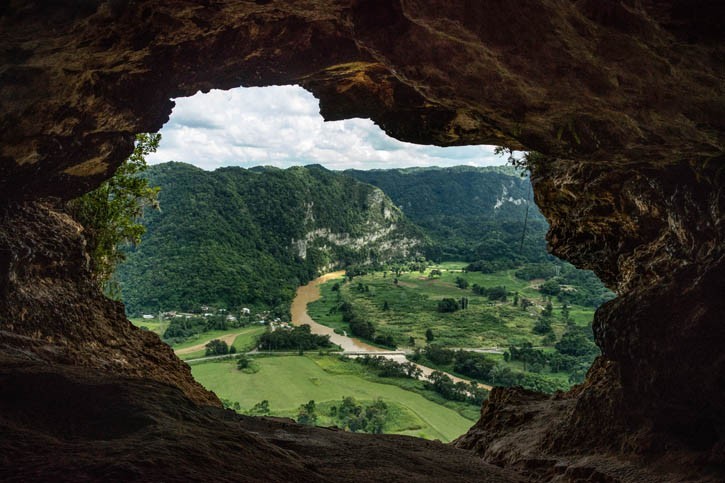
[(623, 99)]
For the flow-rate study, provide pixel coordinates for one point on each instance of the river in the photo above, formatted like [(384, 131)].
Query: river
[(311, 292)]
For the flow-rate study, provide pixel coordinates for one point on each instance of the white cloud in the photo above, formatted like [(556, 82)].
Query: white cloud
[(281, 126)]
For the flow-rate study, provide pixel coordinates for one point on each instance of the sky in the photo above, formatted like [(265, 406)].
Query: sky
[(281, 126)]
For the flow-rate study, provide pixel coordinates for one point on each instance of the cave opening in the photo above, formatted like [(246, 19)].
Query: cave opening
[(623, 100), (525, 317)]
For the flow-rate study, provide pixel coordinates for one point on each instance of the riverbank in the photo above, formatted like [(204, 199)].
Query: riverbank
[(309, 293)]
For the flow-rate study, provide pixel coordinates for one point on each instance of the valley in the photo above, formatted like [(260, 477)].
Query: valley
[(405, 341)]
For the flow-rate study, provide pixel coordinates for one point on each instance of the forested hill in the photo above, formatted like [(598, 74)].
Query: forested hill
[(248, 237), (470, 213)]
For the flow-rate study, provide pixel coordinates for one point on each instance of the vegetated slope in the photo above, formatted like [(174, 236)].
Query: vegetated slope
[(470, 213), (236, 237)]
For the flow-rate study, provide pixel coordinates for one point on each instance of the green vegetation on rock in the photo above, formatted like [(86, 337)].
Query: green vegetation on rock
[(238, 237), (470, 213)]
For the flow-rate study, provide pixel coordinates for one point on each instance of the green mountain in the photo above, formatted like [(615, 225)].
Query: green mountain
[(248, 237), (470, 213)]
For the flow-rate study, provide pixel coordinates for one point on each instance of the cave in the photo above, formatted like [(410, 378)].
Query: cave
[(622, 99)]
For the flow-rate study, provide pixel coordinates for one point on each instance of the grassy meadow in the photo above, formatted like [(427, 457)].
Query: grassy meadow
[(153, 325), (289, 381)]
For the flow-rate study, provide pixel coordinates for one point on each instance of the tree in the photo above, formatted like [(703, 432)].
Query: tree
[(243, 362), (448, 305), (497, 293), (543, 325), (550, 287), (435, 273), (261, 407), (565, 311), (307, 414), (548, 310), (429, 337), (462, 283), (438, 355), (376, 414), (110, 214), (216, 347), (575, 343)]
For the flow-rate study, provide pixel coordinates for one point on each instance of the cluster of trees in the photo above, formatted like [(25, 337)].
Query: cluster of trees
[(482, 368), (296, 338), (218, 347), (389, 368), (491, 266), (260, 409), (111, 214), (587, 289), (448, 305), (493, 293), (543, 323), (461, 283), (574, 354), (456, 391), (356, 417), (362, 328), (467, 363), (307, 413)]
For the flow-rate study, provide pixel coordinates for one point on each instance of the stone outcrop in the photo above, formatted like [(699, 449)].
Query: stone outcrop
[(66, 423), (624, 99), (51, 311)]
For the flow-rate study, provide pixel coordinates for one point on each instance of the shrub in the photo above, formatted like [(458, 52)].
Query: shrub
[(448, 305)]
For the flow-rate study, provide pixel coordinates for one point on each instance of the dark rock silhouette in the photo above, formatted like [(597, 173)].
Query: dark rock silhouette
[(623, 98)]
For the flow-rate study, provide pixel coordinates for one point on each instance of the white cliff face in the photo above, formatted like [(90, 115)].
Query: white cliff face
[(506, 198), (380, 232)]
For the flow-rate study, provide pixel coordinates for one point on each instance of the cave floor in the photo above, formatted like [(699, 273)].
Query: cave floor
[(64, 423)]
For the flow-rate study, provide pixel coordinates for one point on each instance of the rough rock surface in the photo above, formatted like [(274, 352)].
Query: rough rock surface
[(66, 423), (624, 98), (51, 311)]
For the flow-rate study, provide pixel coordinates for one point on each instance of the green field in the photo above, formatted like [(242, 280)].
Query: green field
[(153, 325), (245, 341), (288, 381), (413, 300)]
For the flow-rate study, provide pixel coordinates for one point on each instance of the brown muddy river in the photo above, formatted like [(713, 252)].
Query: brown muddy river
[(310, 293)]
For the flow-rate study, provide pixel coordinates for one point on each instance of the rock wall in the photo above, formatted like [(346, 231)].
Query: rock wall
[(623, 97), (51, 311)]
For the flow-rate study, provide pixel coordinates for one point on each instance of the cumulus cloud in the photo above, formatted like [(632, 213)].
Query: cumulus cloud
[(281, 126)]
